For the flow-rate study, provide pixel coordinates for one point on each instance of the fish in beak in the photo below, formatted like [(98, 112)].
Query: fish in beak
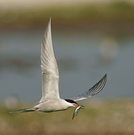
[(77, 110)]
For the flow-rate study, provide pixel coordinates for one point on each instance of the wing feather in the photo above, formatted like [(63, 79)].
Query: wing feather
[(92, 91), (50, 73)]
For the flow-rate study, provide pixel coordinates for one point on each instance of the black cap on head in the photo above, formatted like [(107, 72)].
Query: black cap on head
[(71, 101)]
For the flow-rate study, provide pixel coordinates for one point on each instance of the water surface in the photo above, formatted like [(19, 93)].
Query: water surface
[(83, 58)]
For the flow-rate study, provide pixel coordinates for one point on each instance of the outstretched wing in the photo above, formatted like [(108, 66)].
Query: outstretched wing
[(50, 74), (92, 91)]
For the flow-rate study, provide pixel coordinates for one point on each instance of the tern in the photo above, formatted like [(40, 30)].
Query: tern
[(50, 100)]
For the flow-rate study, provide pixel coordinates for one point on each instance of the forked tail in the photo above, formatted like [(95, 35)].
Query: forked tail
[(23, 110)]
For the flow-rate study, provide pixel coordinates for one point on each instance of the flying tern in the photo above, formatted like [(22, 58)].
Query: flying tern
[(51, 100)]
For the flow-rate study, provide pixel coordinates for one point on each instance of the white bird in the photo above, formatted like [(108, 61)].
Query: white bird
[(50, 100)]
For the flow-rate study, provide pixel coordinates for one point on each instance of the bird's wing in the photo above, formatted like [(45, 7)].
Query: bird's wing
[(50, 73), (92, 91)]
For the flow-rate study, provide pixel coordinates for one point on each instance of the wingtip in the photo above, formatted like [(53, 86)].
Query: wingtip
[(105, 76), (98, 86), (49, 25), (50, 21), (48, 30)]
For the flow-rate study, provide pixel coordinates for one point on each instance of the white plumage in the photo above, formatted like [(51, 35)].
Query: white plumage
[(50, 73), (50, 100)]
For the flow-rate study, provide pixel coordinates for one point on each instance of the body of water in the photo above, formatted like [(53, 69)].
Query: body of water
[(83, 58)]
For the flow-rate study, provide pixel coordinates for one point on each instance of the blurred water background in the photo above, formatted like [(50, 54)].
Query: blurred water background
[(90, 39), (86, 47), (83, 58)]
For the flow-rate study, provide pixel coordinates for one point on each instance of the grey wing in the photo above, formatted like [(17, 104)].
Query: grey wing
[(50, 74), (92, 91)]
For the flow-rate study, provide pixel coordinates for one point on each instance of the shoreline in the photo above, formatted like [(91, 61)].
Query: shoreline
[(98, 118), (8, 4), (115, 15)]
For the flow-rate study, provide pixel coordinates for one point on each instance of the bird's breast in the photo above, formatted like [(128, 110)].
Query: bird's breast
[(53, 105)]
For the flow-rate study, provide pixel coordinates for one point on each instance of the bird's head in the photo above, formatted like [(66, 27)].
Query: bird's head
[(76, 106)]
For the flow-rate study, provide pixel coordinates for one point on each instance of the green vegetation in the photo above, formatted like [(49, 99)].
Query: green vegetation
[(98, 118), (114, 13)]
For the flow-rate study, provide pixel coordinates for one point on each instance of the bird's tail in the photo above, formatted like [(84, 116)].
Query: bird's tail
[(23, 110)]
